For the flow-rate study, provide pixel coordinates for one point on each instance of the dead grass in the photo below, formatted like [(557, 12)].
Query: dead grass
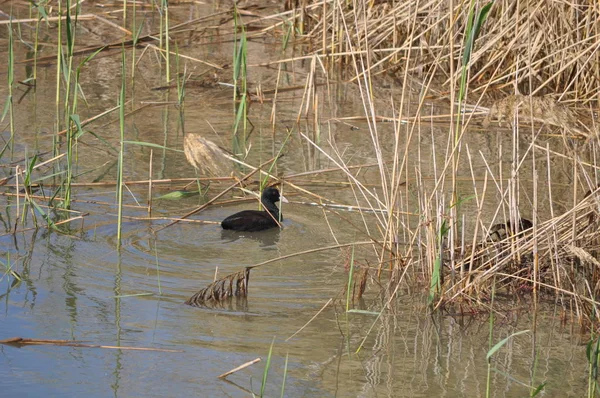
[(535, 47)]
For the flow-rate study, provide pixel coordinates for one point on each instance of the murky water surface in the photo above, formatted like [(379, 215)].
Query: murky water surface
[(77, 285)]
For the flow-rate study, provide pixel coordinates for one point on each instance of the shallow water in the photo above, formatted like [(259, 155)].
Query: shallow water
[(78, 286)]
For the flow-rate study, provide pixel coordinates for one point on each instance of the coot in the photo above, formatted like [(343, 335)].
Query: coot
[(501, 231), (256, 220)]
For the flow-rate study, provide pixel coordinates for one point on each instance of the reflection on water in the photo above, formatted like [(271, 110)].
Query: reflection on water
[(264, 238), (231, 304)]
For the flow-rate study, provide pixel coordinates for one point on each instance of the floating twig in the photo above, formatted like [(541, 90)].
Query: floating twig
[(20, 341), (250, 363)]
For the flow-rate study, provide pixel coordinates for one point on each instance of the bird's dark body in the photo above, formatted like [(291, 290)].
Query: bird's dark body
[(250, 220), (256, 220)]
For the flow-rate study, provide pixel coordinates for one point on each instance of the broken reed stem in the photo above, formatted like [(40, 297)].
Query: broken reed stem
[(249, 363), (19, 341), (310, 320)]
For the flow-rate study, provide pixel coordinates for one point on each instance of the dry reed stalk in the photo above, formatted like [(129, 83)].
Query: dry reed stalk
[(310, 320), (84, 17), (165, 181), (69, 220), (183, 56), (94, 202), (237, 369), (233, 285), (117, 45), (206, 222)]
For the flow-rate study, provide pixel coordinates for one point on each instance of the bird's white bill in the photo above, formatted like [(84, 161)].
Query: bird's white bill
[(283, 199)]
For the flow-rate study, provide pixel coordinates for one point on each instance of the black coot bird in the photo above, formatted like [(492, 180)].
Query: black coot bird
[(256, 220), (502, 231)]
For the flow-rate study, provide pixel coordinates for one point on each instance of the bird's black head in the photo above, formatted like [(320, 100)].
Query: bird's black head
[(271, 195)]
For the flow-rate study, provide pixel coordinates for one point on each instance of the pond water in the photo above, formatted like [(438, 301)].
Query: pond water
[(78, 286)]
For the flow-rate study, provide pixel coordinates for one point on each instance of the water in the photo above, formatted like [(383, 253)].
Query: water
[(78, 286)]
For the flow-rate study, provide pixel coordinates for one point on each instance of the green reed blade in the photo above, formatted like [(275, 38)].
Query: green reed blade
[(285, 368), (121, 148), (157, 269), (11, 78), (473, 27), (176, 195), (350, 276), (436, 275), (165, 5), (44, 215), (266, 371), (501, 343)]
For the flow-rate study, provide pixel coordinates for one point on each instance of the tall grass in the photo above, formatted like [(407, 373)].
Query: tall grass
[(57, 91), (285, 369), (263, 384), (8, 106), (136, 30), (350, 278), (8, 270), (164, 37), (71, 117), (490, 354), (157, 268), (240, 88), (41, 13), (475, 20), (593, 357), (181, 81)]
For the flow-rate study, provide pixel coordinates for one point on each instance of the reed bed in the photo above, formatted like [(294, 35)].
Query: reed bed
[(530, 88), (534, 46)]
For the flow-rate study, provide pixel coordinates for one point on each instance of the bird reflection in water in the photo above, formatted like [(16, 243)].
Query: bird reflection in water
[(264, 238)]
